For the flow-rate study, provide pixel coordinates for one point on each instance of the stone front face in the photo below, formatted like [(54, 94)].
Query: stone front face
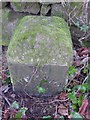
[(40, 49), (28, 78)]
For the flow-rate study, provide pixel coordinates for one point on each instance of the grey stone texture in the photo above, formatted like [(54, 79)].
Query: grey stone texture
[(40, 49), (10, 19), (45, 8), (33, 8)]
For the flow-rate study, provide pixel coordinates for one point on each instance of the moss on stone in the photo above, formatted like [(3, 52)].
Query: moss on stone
[(10, 20), (5, 35), (29, 7), (18, 6), (41, 39)]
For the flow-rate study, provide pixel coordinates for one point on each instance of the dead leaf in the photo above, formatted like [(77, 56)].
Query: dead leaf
[(6, 114), (83, 108), (63, 96), (77, 63), (62, 110)]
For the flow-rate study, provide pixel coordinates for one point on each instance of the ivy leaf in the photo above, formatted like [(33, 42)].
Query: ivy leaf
[(62, 117), (84, 88), (74, 107), (43, 81), (21, 113), (40, 89), (23, 110), (72, 97), (7, 80), (71, 70), (7, 72), (84, 28), (18, 115), (47, 117), (15, 105), (76, 115), (80, 99), (77, 24), (88, 81), (85, 70)]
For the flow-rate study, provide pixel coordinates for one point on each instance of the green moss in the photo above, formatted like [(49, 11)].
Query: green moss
[(78, 7), (18, 5), (5, 13), (5, 37), (9, 22), (41, 38)]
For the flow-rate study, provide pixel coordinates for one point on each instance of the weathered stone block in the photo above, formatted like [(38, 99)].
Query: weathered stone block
[(40, 50), (30, 7), (0, 25), (45, 9), (70, 11), (0, 49), (0, 5), (58, 10), (9, 21)]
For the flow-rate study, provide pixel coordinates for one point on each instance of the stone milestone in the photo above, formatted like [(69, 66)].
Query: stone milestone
[(39, 54)]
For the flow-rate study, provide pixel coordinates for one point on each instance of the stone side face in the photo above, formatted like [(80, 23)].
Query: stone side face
[(10, 20), (40, 49)]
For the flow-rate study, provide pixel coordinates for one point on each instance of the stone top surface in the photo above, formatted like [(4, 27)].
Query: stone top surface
[(41, 40)]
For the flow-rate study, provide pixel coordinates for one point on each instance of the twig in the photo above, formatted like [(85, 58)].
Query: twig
[(3, 96), (84, 37), (30, 79), (57, 100), (56, 111)]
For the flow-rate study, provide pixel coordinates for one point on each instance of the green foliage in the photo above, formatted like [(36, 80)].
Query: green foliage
[(21, 112), (62, 117), (76, 94), (85, 70), (76, 115), (47, 117), (43, 81), (82, 88), (15, 105), (8, 79), (83, 28), (71, 71), (88, 81), (80, 99), (7, 72), (40, 89), (72, 95), (18, 115)]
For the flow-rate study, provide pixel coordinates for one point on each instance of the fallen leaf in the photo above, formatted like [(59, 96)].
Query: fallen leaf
[(63, 110), (83, 108), (6, 114), (77, 63), (63, 96)]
